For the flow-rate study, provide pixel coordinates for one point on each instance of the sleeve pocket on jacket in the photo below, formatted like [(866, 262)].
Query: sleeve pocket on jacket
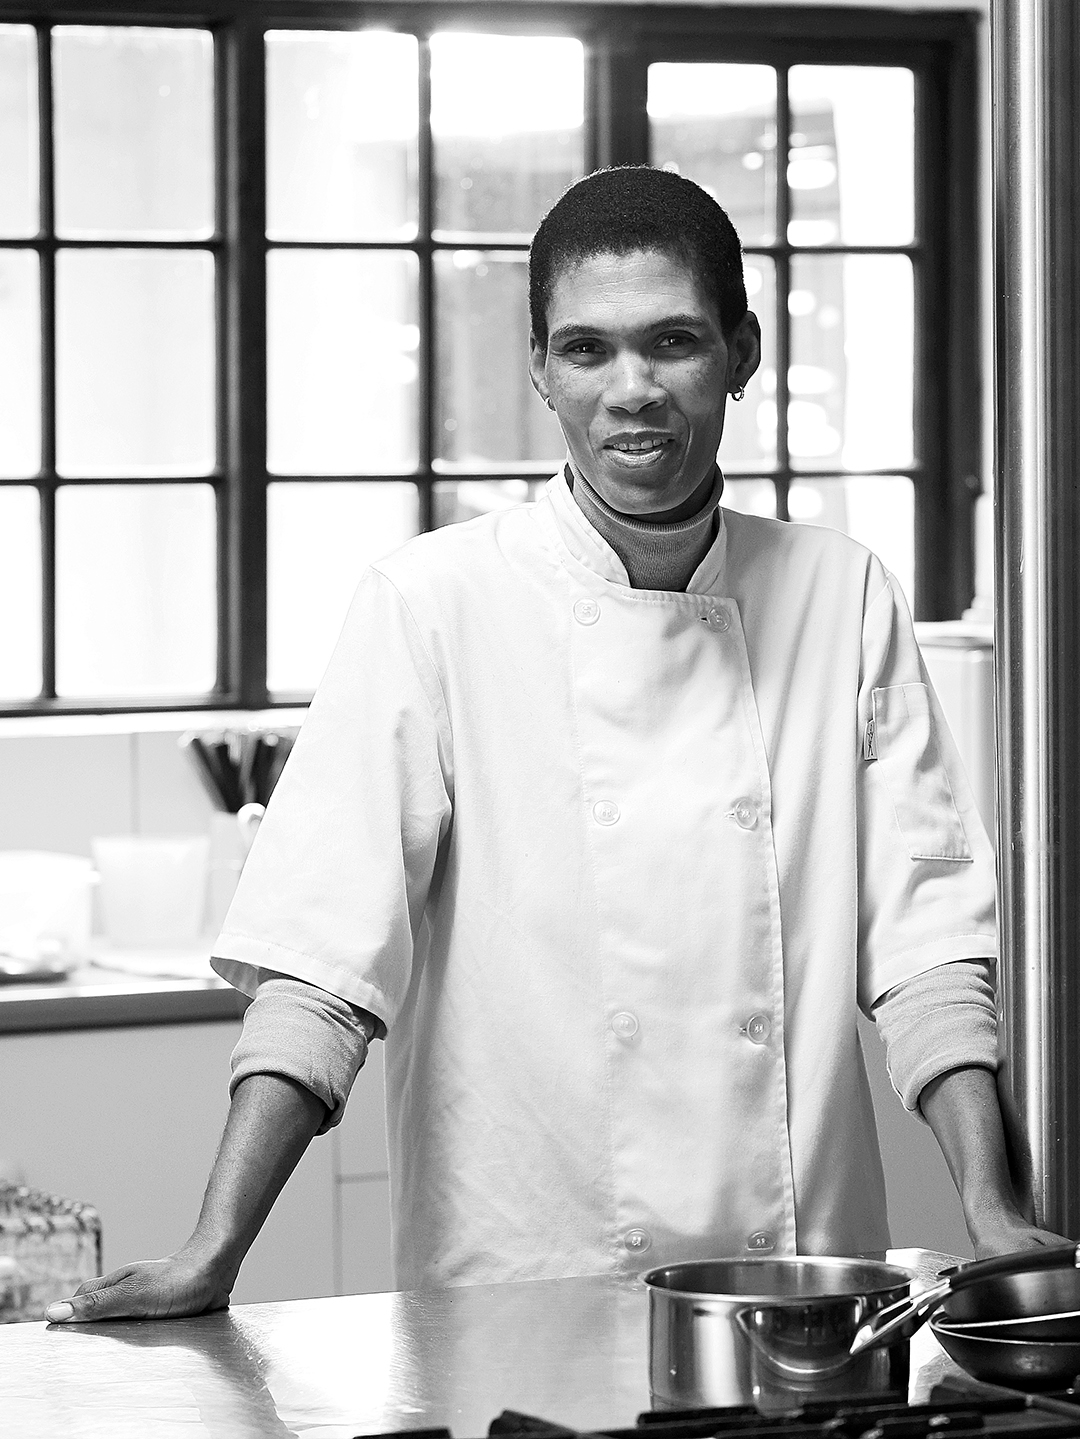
[(915, 775)]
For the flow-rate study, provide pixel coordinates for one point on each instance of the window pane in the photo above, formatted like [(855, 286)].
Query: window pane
[(341, 124), (20, 593), (876, 510), (487, 410), (749, 441), (852, 370), (851, 165), (135, 590), (134, 132), (320, 539), (507, 115), (135, 362), (20, 364), (470, 498), (18, 132), (342, 368), (750, 497), (716, 124)]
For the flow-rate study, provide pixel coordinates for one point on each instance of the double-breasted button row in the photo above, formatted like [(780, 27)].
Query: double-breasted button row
[(744, 812), (587, 612)]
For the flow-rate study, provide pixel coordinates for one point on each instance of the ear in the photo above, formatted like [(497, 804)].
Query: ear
[(744, 351), (537, 366)]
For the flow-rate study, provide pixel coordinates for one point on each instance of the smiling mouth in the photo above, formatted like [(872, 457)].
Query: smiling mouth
[(643, 445)]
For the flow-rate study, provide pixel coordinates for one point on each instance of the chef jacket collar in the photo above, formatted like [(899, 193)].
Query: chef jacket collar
[(589, 548)]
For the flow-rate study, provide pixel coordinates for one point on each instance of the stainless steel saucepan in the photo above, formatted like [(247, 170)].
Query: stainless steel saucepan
[(740, 1331)]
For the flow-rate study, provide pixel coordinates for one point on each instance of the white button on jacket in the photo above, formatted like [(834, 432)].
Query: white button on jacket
[(624, 1025), (436, 853)]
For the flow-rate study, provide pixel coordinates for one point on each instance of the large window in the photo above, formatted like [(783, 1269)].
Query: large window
[(263, 302)]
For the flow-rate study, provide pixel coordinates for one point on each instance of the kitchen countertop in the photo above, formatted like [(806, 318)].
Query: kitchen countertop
[(123, 988), (570, 1350)]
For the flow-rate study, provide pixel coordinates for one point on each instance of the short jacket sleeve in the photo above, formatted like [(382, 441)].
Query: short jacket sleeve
[(926, 868), (334, 889)]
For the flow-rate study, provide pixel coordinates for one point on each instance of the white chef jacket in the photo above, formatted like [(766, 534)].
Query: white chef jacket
[(614, 867)]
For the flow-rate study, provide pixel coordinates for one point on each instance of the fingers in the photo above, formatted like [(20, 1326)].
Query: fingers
[(106, 1281), (67, 1311), (114, 1296)]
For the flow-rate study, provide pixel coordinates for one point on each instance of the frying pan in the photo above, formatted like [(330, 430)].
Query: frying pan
[(1018, 1363), (1017, 1329), (1031, 1282)]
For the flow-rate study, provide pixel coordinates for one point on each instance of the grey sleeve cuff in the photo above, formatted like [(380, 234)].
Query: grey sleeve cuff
[(942, 1019), (294, 1029)]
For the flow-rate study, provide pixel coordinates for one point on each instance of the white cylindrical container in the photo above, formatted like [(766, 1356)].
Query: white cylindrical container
[(153, 887)]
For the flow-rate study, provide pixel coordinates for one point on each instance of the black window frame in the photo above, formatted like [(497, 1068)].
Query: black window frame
[(620, 41)]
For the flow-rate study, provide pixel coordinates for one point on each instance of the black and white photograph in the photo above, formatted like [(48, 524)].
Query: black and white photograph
[(539, 719)]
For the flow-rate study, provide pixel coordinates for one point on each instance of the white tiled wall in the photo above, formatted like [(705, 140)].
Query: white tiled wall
[(55, 792), (59, 790)]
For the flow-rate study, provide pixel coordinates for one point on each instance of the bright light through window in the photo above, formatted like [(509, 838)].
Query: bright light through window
[(505, 85)]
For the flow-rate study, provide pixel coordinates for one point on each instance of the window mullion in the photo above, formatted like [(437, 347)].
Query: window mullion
[(426, 379), (47, 302), (243, 151), (622, 128), (783, 289)]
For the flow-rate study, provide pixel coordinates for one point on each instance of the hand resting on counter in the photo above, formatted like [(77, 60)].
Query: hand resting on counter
[(271, 1122), (187, 1282)]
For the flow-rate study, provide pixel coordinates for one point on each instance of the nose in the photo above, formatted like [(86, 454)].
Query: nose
[(632, 385)]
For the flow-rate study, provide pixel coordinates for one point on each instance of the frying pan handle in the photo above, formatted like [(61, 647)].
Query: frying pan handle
[(900, 1320), (1051, 1256)]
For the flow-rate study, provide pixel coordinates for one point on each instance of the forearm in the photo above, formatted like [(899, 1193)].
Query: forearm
[(963, 1110), (961, 1107), (271, 1122)]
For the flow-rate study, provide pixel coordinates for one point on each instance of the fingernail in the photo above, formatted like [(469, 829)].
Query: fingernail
[(57, 1313)]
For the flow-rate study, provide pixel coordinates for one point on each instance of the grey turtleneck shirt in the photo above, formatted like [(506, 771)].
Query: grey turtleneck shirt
[(659, 553)]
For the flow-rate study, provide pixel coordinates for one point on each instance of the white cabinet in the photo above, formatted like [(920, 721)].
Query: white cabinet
[(129, 1119)]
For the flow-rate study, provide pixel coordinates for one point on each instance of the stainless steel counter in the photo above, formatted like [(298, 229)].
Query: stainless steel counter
[(572, 1350), (97, 998)]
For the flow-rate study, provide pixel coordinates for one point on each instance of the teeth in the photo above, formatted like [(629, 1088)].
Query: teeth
[(635, 448)]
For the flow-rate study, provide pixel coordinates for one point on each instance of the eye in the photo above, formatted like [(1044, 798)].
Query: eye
[(676, 340), (582, 347)]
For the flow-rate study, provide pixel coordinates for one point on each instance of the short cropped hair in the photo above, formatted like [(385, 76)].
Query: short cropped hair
[(635, 207)]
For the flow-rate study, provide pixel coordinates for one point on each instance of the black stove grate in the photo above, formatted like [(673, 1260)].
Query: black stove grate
[(979, 1410)]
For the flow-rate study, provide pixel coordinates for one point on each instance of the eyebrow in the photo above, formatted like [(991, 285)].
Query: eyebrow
[(575, 330)]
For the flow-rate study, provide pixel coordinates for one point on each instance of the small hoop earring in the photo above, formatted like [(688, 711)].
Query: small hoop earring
[(738, 393)]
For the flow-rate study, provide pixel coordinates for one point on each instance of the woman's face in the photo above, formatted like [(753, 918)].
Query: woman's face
[(638, 371)]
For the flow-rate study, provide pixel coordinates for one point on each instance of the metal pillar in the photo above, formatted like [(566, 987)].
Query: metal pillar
[(1035, 48)]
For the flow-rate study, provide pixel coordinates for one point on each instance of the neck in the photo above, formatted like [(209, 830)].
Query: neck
[(662, 550)]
